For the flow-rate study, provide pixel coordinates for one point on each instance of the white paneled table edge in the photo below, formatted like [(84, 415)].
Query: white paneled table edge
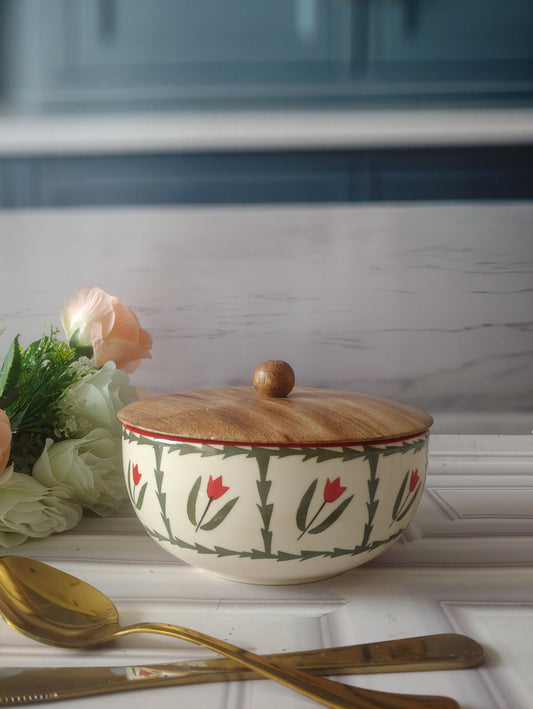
[(477, 510), (464, 565)]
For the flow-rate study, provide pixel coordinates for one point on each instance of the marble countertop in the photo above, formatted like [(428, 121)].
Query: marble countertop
[(429, 304), (86, 133)]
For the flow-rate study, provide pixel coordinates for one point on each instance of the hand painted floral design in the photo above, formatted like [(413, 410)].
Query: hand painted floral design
[(134, 480), (215, 489), (136, 474), (333, 490), (406, 495)]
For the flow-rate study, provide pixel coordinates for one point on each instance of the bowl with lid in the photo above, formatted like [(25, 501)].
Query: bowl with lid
[(271, 484)]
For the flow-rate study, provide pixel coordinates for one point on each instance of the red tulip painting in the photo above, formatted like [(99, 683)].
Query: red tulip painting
[(135, 489), (333, 490), (215, 489), (406, 495), (136, 475)]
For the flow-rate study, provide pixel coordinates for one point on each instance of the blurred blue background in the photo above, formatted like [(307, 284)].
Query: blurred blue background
[(254, 101)]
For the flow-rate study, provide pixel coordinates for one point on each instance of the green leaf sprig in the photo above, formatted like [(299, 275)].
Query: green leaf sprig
[(32, 380)]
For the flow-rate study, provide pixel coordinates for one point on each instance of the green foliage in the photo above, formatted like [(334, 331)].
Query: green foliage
[(42, 374), (32, 381), (9, 374), (26, 448)]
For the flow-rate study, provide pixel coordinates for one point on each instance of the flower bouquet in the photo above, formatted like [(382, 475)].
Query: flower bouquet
[(60, 440)]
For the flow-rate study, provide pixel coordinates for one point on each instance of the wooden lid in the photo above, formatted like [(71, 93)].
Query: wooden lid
[(268, 415)]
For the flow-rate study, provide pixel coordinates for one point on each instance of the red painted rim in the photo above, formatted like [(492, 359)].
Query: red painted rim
[(338, 444)]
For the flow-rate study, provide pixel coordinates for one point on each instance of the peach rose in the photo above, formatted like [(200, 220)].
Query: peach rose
[(5, 439), (93, 318)]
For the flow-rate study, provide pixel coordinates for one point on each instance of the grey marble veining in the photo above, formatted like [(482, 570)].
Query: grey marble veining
[(428, 304)]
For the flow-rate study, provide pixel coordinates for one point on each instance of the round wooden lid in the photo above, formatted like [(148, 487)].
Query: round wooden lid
[(272, 414)]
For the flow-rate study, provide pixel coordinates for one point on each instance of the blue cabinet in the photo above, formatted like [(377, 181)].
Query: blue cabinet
[(272, 177), (454, 47), (133, 53), (212, 178), (102, 55)]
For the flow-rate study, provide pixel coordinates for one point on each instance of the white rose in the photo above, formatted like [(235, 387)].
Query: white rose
[(88, 468), (29, 509), (93, 401)]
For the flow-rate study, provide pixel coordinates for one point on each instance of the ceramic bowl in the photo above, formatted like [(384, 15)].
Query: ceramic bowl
[(272, 486)]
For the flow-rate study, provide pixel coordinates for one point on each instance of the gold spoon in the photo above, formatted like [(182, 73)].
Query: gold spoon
[(58, 609)]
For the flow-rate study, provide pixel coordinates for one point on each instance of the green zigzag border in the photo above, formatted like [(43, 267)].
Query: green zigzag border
[(370, 452)]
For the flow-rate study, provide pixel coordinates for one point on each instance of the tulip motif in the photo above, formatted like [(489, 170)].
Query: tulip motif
[(333, 490), (134, 479), (215, 489), (406, 495), (136, 475)]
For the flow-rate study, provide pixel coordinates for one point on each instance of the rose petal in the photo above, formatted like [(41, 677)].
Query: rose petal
[(84, 307), (105, 323), (126, 324), (145, 339), (122, 352)]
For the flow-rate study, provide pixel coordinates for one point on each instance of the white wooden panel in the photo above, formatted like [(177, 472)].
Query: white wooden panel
[(443, 575), (504, 628), (366, 604)]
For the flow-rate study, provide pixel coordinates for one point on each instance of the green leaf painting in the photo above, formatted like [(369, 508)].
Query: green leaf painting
[(191, 501)]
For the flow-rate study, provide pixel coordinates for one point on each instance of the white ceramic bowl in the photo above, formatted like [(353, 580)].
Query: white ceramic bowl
[(240, 503)]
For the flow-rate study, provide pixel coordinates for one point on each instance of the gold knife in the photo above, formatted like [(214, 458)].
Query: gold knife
[(19, 685)]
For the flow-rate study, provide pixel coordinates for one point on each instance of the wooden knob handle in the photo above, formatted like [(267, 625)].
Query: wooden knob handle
[(274, 378)]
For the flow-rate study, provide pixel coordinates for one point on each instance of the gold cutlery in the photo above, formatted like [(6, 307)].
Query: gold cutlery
[(55, 608), (20, 685)]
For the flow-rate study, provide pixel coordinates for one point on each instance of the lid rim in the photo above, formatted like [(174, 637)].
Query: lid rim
[(281, 444), (312, 417)]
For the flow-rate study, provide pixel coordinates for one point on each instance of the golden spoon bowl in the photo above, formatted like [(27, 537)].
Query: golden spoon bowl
[(58, 609)]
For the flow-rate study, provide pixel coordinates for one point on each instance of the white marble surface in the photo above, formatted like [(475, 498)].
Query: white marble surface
[(61, 134), (428, 304)]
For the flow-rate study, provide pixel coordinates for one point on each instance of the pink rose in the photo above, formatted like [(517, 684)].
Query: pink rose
[(93, 318), (5, 439)]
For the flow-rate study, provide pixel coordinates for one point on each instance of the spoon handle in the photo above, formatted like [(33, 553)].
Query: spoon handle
[(325, 691)]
